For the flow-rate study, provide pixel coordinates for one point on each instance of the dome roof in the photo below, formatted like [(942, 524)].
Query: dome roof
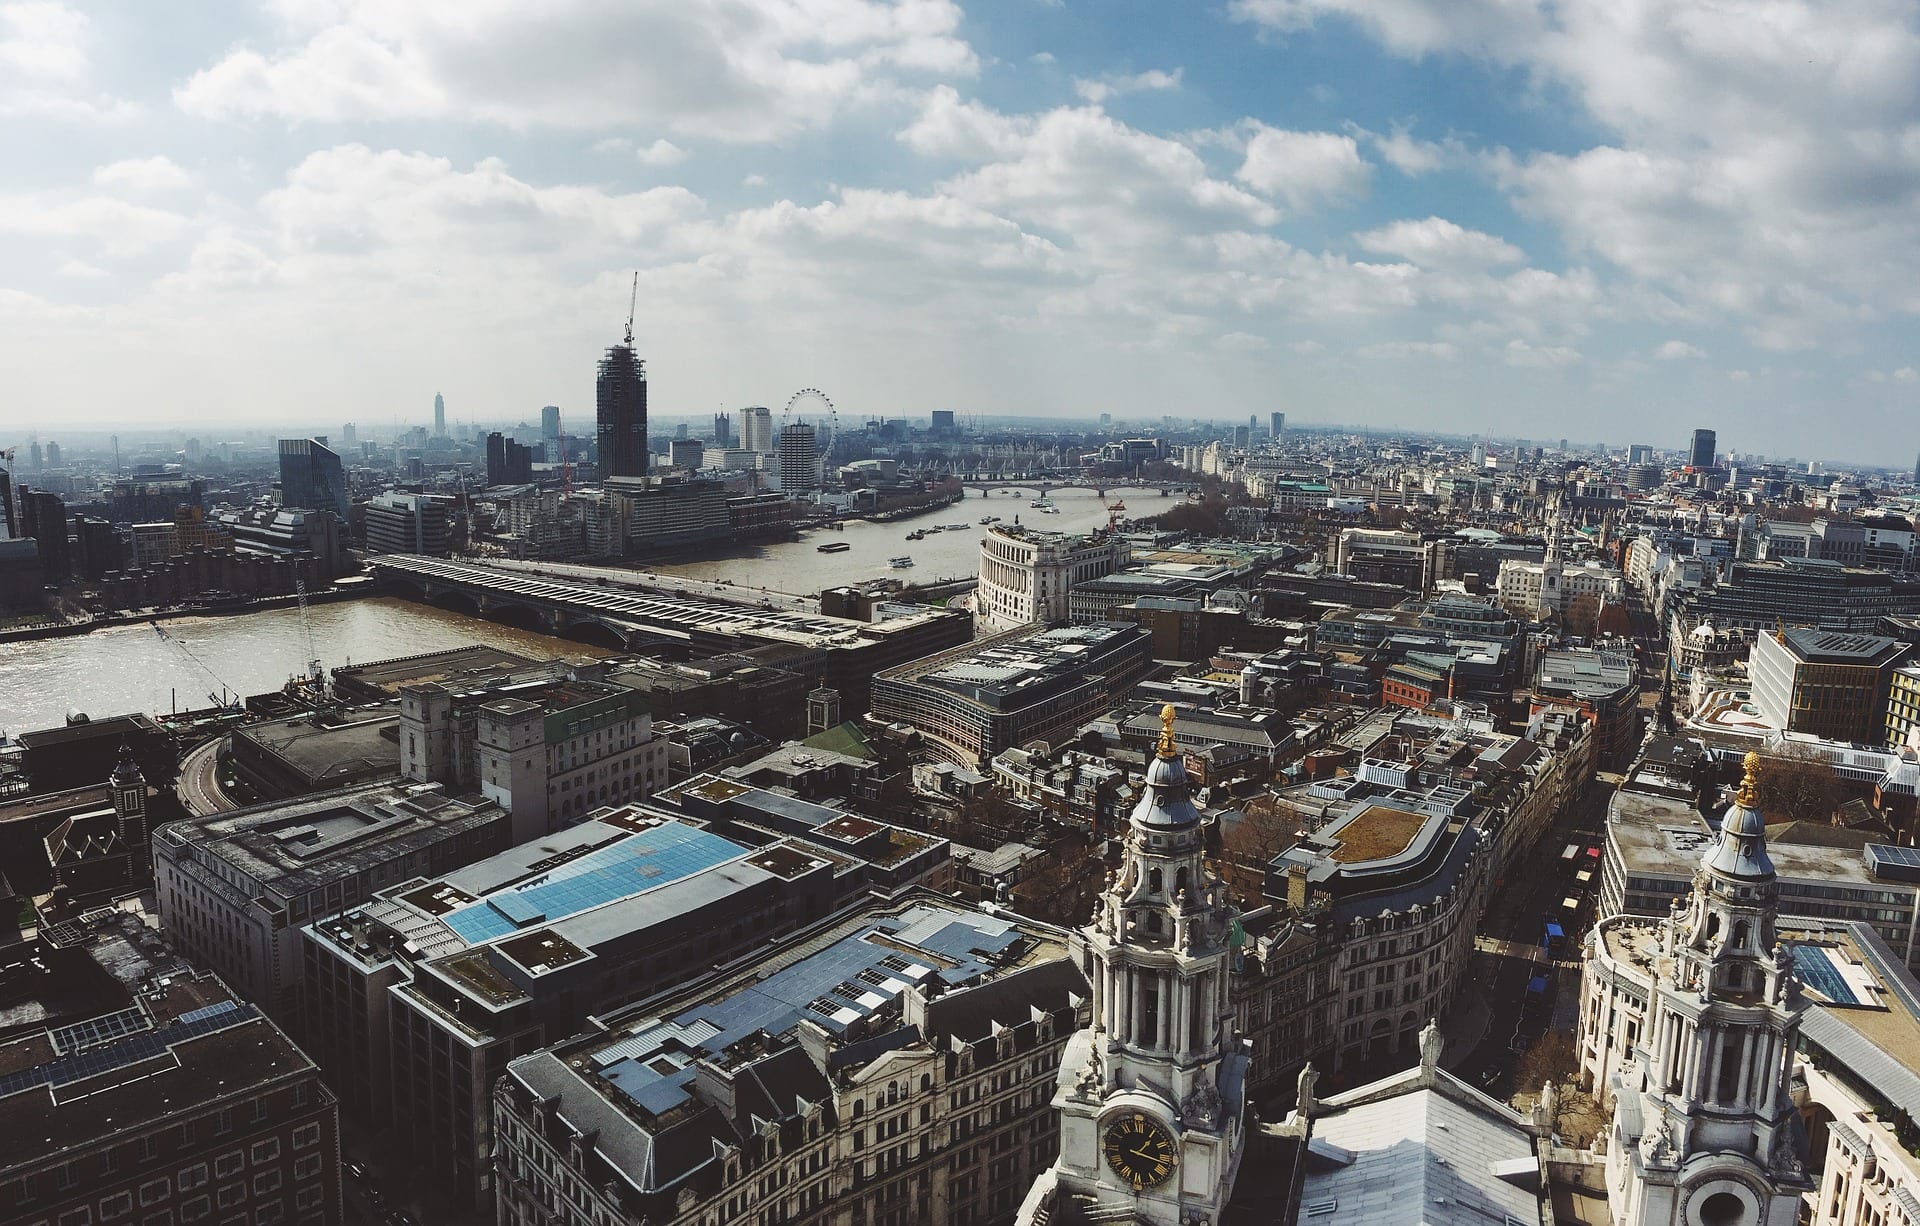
[(1741, 850), (1165, 804)]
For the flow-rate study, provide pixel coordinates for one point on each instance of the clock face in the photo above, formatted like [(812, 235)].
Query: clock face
[(1139, 1150)]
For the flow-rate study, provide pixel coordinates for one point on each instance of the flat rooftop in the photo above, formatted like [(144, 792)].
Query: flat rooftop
[(1816, 646), (1377, 833), (343, 745), (459, 664)]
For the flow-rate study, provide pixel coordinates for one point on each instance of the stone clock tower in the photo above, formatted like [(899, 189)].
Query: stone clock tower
[(1151, 1096)]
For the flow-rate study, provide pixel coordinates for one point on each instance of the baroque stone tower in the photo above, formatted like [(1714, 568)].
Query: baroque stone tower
[(1152, 1094), (1704, 1131)]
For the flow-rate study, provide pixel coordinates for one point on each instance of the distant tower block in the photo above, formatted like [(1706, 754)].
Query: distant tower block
[(823, 710)]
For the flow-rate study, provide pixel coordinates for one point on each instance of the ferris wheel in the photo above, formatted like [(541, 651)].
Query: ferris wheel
[(832, 418)]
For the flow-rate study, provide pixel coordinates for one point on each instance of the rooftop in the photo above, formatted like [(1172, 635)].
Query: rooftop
[(1814, 646)]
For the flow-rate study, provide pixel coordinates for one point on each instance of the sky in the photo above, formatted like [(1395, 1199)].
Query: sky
[(1608, 220)]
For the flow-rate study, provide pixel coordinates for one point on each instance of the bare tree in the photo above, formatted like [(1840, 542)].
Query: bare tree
[(1799, 785), (1061, 888), (1267, 827)]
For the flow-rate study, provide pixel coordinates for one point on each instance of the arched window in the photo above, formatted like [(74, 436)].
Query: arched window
[(1740, 931), (1713, 926), (1153, 921), (1153, 881), (1180, 880), (859, 1105)]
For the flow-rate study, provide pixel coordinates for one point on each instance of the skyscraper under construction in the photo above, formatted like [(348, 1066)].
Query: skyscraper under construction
[(621, 403)]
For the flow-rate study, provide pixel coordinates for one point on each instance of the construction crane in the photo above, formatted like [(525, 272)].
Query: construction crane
[(316, 674), (222, 699), (633, 302)]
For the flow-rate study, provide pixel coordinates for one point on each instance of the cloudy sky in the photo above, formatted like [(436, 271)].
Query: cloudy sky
[(1601, 219)]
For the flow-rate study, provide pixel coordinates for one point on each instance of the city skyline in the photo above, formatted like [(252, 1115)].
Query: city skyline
[(1529, 220)]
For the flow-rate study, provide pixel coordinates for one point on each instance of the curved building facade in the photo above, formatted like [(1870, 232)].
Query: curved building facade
[(1025, 574)]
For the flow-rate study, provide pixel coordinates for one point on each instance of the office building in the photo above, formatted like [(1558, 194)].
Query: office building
[(140, 1090), (419, 998), (756, 428), (407, 523), (542, 745), (312, 477), (1279, 425), (1408, 559), (1639, 453), (941, 422), (620, 410), (1701, 454), (1603, 684), (44, 518), (798, 463), (135, 500), (891, 1067), (1027, 576), (1826, 683), (439, 415), (687, 453), (508, 462), (1030, 684), (235, 888), (1801, 592), (1903, 707), (550, 432), (671, 511), (83, 754)]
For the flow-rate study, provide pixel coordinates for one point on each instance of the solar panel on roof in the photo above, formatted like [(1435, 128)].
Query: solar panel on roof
[(97, 1030), (132, 1049)]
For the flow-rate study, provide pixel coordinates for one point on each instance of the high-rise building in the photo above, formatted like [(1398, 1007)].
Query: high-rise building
[(550, 429), (407, 523), (722, 431), (1279, 424), (9, 526), (799, 464), (756, 428), (34, 452), (1639, 453), (942, 421), (439, 415), (43, 516), (1243, 437), (1705, 442), (349, 437), (53, 455), (312, 478), (508, 462), (620, 403)]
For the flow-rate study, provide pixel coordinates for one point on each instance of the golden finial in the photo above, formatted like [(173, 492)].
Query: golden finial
[(1748, 796), (1167, 716)]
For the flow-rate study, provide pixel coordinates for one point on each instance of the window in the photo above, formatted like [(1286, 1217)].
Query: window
[(305, 1135), (231, 1194), (266, 1151), (269, 1214), (229, 1163), (307, 1198), (83, 1216), (265, 1182), (118, 1205), (155, 1190), (307, 1166), (195, 1209), (193, 1177)]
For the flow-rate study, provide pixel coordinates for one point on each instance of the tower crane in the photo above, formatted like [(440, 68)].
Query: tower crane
[(316, 674), (633, 303)]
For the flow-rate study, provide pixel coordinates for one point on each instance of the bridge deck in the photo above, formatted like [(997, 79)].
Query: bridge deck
[(684, 613)]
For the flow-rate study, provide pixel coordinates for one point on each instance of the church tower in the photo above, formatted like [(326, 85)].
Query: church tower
[(1704, 1130), (1152, 1094), (130, 805)]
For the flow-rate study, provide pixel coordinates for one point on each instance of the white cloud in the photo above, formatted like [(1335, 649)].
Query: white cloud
[(662, 152), (43, 40), (754, 181), (1764, 159), (1907, 374), (1435, 242), (1520, 353), (1414, 157), (1100, 89), (1674, 351), (80, 271), (150, 175), (1303, 168), (1041, 57), (114, 228), (1241, 342), (1440, 350), (722, 70)]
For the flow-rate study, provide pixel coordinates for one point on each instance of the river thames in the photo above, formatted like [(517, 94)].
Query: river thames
[(132, 668)]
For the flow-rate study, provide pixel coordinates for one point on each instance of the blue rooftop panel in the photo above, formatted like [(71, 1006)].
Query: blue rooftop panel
[(654, 857), (1814, 965)]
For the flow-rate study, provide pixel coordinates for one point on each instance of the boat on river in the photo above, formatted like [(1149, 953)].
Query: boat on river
[(900, 563), (834, 547)]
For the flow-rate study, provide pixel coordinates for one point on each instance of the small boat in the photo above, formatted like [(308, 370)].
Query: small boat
[(1049, 510), (834, 547), (900, 563), (918, 534), (989, 519)]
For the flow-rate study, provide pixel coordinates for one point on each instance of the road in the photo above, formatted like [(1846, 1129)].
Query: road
[(199, 783)]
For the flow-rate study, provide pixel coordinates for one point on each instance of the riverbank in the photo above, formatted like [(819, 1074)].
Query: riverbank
[(350, 588)]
